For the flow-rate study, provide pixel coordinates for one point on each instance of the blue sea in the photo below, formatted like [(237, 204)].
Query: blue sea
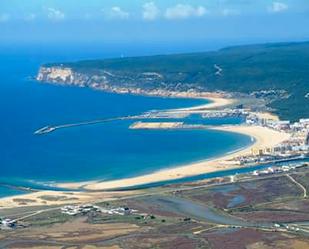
[(96, 152)]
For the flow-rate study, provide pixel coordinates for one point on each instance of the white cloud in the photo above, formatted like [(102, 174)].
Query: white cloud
[(150, 11), (183, 11), (230, 12), (30, 17), (278, 7), (55, 14), (117, 13), (4, 17)]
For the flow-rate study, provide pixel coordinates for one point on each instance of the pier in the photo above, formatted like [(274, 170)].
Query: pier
[(49, 128)]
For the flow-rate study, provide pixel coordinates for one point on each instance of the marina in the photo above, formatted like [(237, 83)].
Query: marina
[(163, 114)]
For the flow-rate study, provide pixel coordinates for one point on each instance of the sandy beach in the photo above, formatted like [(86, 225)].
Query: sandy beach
[(264, 137), (216, 103), (56, 198)]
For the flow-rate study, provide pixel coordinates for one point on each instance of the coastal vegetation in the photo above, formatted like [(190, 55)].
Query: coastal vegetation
[(276, 72)]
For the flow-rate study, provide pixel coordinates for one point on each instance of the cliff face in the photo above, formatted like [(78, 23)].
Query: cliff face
[(122, 82), (61, 75), (55, 74), (67, 76)]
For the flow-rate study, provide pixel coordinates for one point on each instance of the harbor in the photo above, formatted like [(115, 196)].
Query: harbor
[(156, 114)]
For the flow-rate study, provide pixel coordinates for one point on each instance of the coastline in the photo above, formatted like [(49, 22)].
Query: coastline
[(58, 198), (215, 103), (264, 137)]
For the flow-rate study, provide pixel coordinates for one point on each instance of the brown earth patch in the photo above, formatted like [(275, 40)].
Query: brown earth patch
[(273, 216), (238, 239), (161, 241), (281, 244), (76, 231)]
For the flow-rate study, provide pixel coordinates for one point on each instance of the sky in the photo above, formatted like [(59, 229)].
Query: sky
[(221, 22)]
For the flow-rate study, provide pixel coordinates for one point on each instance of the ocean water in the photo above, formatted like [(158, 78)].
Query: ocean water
[(95, 152), (10, 191)]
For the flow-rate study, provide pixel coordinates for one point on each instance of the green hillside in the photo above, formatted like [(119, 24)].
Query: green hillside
[(283, 66)]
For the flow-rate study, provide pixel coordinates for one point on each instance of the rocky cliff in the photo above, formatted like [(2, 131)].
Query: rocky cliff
[(144, 83), (99, 78), (61, 75)]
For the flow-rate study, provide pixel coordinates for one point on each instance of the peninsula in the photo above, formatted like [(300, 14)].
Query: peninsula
[(274, 76)]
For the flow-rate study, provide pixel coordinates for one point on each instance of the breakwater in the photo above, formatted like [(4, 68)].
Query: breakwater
[(49, 129)]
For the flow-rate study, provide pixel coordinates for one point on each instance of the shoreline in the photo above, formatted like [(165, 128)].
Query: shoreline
[(215, 103), (261, 135), (196, 168)]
